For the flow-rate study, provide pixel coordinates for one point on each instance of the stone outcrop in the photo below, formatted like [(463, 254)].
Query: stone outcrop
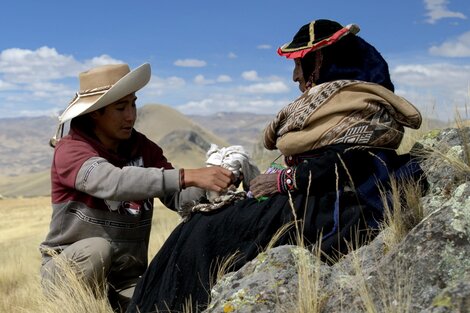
[(427, 272)]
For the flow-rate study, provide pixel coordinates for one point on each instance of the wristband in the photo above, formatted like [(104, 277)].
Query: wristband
[(182, 184)]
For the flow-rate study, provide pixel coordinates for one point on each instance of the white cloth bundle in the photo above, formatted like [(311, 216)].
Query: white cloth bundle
[(235, 159)]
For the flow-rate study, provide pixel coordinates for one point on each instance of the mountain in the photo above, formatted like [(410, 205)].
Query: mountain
[(24, 144), (27, 156), (244, 129), (183, 141), (237, 128)]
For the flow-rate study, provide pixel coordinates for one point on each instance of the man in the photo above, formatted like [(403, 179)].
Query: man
[(104, 177)]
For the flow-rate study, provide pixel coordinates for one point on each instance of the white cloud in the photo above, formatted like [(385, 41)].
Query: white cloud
[(25, 66), (250, 76), (6, 85), (460, 47), (441, 85), (198, 107), (437, 9), (444, 75), (101, 60), (201, 80), (232, 102), (158, 85), (232, 55), (35, 81), (43, 64), (190, 63), (264, 47), (224, 79), (266, 88)]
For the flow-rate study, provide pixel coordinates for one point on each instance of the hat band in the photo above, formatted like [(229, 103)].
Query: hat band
[(300, 52), (89, 92), (57, 136)]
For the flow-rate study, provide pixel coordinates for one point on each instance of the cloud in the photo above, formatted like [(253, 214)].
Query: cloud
[(266, 88), (101, 60), (232, 55), (158, 85), (444, 75), (232, 103), (201, 80), (459, 47), (250, 76), (43, 64), (264, 47), (447, 84), (202, 106), (190, 63), (224, 79), (18, 65), (38, 78), (6, 85), (437, 9)]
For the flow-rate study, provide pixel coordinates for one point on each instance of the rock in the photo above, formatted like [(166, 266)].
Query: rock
[(262, 285), (427, 272)]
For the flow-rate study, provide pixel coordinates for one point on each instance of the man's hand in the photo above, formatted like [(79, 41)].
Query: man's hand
[(213, 178), (264, 185)]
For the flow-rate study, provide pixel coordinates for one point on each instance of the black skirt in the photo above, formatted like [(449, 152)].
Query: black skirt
[(185, 268)]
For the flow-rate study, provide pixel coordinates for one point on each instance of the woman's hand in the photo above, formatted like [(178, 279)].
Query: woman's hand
[(213, 178), (264, 185)]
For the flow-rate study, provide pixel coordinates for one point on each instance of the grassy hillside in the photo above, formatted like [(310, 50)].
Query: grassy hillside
[(27, 185), (23, 226), (184, 142), (156, 121)]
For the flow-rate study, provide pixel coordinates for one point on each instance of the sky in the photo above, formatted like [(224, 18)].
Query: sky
[(212, 56)]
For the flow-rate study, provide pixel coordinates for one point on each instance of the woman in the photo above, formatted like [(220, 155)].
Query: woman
[(338, 140)]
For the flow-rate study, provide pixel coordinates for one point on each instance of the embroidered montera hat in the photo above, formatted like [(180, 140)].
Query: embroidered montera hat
[(315, 35), (101, 86)]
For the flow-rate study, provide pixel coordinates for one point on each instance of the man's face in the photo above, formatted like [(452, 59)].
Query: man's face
[(115, 123), (298, 75)]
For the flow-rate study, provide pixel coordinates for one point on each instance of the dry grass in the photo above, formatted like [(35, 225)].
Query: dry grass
[(23, 226), (72, 294), (403, 213)]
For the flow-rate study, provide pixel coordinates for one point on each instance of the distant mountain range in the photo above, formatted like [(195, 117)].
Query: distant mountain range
[(26, 154)]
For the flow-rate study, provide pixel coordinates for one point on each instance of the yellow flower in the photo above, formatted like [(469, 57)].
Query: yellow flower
[(228, 307)]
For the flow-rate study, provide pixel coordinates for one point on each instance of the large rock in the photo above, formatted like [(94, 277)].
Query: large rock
[(427, 272)]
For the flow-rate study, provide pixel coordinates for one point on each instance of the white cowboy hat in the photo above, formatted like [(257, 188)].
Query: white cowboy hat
[(104, 85), (101, 86)]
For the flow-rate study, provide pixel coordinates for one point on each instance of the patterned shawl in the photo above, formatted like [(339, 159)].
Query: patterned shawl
[(341, 111)]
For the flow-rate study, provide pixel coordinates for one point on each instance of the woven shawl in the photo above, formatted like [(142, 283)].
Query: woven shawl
[(341, 111)]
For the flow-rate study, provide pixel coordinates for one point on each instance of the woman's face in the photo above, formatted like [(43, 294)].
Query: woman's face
[(298, 75)]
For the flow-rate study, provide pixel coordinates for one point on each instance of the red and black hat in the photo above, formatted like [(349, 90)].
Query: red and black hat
[(315, 35)]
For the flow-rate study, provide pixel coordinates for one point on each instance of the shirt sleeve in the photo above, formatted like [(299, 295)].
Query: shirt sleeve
[(101, 179), (175, 201), (68, 159)]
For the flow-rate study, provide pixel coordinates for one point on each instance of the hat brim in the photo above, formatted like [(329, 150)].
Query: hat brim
[(131, 82), (300, 52)]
